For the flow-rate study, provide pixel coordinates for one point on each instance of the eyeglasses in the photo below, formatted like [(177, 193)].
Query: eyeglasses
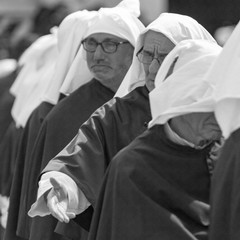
[(147, 58), (91, 45)]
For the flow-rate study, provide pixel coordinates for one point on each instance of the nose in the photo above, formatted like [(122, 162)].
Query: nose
[(154, 66), (99, 53)]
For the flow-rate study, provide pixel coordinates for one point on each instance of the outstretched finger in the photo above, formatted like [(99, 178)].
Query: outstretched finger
[(53, 208), (60, 190), (62, 212), (56, 185)]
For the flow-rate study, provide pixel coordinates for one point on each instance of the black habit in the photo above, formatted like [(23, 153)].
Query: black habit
[(225, 198), (108, 130), (154, 189)]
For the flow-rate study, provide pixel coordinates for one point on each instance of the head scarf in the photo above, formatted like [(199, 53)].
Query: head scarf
[(38, 63), (176, 28), (70, 35), (69, 38), (120, 21), (186, 89), (71, 69), (7, 66), (225, 77)]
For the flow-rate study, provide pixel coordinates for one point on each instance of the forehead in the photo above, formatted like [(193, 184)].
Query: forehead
[(155, 40), (105, 36)]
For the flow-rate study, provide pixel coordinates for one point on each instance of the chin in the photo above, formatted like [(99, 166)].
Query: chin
[(99, 76)]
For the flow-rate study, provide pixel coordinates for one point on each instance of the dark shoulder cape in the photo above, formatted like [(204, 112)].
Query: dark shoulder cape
[(26, 143), (6, 102), (58, 128), (108, 130), (225, 198), (8, 133), (154, 189), (8, 149)]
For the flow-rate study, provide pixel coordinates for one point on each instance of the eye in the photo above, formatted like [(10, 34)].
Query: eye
[(109, 45), (91, 42), (147, 54)]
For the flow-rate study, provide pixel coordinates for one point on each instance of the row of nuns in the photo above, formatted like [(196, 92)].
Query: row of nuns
[(40, 98)]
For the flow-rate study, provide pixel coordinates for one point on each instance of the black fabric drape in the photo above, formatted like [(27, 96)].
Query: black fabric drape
[(154, 189), (225, 198), (26, 143)]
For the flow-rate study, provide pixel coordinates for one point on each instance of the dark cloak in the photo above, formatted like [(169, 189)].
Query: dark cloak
[(108, 130), (26, 142), (6, 102), (225, 198), (8, 149), (154, 189), (58, 128), (8, 132)]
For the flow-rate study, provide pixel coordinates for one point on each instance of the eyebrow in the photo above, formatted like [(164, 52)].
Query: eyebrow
[(148, 52), (145, 51)]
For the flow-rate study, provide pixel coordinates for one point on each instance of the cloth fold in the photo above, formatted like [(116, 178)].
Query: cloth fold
[(77, 202)]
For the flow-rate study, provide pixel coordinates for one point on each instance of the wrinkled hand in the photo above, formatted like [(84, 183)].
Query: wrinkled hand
[(57, 202)]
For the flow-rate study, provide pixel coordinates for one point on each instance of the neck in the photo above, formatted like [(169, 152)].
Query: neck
[(109, 84)]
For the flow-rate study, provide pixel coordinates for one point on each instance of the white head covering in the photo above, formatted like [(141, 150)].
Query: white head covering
[(70, 35), (71, 69), (185, 90), (120, 21), (177, 28), (31, 58), (38, 63), (225, 75), (7, 66)]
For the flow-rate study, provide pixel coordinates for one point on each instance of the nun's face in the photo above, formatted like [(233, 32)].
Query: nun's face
[(108, 58), (199, 128), (155, 48)]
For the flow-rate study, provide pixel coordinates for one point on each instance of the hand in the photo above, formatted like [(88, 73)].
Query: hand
[(57, 202)]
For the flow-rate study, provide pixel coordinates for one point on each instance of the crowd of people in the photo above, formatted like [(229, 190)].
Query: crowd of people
[(112, 130)]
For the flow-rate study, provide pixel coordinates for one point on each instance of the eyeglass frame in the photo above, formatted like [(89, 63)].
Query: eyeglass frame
[(101, 44), (157, 58)]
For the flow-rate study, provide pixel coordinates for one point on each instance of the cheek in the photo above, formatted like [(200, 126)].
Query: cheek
[(89, 58), (128, 60), (154, 66), (119, 62)]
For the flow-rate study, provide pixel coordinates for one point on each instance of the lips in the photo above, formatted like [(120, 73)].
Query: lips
[(100, 66)]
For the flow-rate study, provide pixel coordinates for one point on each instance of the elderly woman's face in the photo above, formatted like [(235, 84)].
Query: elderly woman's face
[(197, 128), (155, 48)]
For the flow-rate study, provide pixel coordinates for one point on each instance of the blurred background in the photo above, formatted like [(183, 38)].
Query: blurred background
[(22, 21)]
